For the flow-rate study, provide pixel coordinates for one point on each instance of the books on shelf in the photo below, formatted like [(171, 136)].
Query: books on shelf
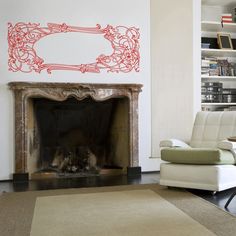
[(226, 18), (209, 66), (232, 108), (217, 67)]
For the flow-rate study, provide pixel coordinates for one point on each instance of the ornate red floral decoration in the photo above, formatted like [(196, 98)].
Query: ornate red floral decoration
[(23, 57)]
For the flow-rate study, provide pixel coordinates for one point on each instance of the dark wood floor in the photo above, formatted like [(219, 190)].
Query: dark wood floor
[(219, 199)]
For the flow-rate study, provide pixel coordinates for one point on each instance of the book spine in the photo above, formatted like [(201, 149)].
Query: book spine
[(227, 21), (227, 15)]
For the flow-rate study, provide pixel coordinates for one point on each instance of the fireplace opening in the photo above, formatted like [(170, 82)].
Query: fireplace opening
[(79, 137)]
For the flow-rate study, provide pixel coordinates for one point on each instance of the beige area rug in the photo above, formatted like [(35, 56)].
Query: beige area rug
[(121, 210), (131, 213)]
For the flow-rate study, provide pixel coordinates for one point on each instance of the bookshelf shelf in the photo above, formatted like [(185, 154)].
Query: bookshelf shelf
[(218, 52), (213, 26), (218, 104), (218, 78)]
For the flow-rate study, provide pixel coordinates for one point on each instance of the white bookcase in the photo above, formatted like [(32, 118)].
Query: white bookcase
[(210, 26)]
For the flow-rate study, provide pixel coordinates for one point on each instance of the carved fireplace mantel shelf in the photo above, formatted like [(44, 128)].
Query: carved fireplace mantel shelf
[(61, 91), (26, 91)]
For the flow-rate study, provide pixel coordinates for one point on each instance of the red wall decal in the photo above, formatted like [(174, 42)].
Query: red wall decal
[(23, 57)]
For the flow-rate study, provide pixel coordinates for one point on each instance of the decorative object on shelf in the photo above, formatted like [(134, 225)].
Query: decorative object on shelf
[(23, 57), (211, 41), (224, 41)]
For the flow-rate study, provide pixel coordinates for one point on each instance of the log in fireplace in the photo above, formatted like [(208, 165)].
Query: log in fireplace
[(72, 129)]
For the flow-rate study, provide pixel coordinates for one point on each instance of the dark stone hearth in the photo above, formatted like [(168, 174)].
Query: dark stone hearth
[(20, 177), (134, 171)]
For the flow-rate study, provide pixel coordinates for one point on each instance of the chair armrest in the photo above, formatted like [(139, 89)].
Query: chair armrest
[(227, 145), (173, 143)]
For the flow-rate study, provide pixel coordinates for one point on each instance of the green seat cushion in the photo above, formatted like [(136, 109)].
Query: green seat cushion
[(201, 156)]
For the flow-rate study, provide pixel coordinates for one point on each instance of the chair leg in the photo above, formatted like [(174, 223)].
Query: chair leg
[(230, 199)]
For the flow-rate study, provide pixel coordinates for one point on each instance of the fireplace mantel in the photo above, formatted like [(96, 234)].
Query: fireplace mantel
[(24, 92)]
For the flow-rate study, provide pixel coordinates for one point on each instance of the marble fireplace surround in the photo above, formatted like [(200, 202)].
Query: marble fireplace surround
[(24, 92)]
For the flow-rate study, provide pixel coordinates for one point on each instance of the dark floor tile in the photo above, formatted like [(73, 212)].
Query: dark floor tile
[(80, 182)]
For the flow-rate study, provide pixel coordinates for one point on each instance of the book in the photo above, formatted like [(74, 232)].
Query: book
[(226, 18)]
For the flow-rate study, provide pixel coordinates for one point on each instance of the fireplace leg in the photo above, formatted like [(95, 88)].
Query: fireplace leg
[(133, 171), (20, 177)]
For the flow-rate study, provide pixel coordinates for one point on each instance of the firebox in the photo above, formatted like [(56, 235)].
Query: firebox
[(80, 137), (70, 129)]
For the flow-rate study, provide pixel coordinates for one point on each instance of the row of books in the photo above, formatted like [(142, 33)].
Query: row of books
[(217, 67), (226, 18), (231, 108)]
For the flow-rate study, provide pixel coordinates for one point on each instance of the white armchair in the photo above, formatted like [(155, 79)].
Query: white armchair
[(208, 161)]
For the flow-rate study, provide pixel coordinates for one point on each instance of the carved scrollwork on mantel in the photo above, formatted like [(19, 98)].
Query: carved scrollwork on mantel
[(26, 91), (58, 94), (61, 91)]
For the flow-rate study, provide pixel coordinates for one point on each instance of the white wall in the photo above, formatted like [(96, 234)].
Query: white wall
[(76, 13), (175, 67), (175, 60)]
